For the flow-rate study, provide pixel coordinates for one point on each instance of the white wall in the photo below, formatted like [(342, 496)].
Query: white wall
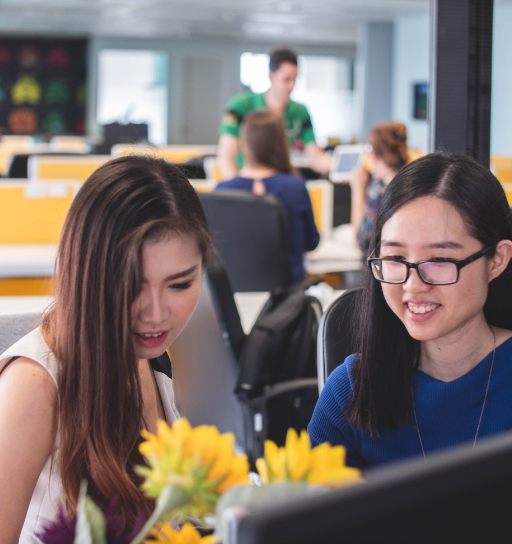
[(501, 97), (228, 52), (410, 66)]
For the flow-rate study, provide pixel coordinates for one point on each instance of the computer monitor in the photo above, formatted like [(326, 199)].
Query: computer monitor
[(344, 159), (459, 495)]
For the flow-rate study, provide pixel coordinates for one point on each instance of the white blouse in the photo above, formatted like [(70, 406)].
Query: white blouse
[(47, 494)]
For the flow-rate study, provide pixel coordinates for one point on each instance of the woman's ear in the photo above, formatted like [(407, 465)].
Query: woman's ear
[(500, 259)]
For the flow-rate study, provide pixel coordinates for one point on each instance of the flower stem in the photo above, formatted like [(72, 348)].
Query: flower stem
[(170, 499)]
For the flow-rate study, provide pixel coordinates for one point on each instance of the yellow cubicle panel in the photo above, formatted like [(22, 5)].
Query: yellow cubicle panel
[(25, 287), (64, 167), (34, 213), (321, 193), (172, 153)]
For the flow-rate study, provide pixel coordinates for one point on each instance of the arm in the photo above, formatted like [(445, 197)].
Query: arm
[(28, 427), (358, 184), (327, 423), (226, 155), (319, 160)]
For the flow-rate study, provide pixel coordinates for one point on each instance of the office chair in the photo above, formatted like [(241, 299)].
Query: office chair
[(335, 336), (251, 234), (205, 357), (13, 327)]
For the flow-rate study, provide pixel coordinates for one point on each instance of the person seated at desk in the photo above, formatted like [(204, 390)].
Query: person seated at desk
[(433, 351), (389, 154), (76, 392), (283, 69), (268, 170)]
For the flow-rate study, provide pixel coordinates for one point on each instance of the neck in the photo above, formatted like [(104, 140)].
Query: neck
[(256, 171), (454, 355), (274, 101)]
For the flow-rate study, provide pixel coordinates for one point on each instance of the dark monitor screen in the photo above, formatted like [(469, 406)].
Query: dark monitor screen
[(460, 495), (420, 100)]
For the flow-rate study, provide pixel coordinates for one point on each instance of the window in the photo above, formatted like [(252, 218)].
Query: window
[(132, 87), (324, 85)]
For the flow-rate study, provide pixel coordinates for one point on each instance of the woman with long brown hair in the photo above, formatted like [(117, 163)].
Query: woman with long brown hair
[(76, 392), (268, 170)]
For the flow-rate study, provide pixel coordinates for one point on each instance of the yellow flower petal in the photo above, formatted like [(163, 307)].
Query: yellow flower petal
[(165, 534), (324, 465)]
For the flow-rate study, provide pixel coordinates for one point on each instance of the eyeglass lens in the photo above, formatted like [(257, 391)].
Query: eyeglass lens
[(432, 272)]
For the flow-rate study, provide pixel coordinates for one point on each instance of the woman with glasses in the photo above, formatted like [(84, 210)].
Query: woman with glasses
[(432, 363)]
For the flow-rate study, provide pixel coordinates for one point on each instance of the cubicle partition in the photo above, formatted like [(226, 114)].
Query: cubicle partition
[(31, 218)]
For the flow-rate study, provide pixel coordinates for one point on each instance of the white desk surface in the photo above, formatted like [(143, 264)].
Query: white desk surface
[(27, 260), (336, 253), (249, 304)]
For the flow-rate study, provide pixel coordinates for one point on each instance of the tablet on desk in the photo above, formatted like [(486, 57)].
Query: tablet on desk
[(344, 159)]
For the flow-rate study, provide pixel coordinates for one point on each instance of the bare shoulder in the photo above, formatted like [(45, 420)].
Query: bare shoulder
[(28, 426), (28, 397), (29, 376)]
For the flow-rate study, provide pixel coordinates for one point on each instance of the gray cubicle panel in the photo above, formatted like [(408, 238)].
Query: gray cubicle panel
[(13, 327), (204, 370)]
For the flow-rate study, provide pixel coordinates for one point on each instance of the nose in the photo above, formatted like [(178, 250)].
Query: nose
[(414, 282), (153, 311)]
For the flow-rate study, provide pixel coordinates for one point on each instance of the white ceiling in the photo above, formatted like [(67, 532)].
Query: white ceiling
[(306, 21)]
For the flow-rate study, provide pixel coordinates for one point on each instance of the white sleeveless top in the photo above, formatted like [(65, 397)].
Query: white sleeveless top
[(47, 494)]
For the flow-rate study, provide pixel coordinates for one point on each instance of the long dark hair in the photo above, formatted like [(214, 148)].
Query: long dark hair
[(384, 372), (263, 140), (124, 203)]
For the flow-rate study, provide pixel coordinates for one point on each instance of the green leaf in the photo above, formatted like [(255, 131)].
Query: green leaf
[(83, 529), (171, 498), (96, 522)]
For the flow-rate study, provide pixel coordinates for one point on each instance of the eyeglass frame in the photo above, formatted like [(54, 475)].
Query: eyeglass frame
[(458, 264)]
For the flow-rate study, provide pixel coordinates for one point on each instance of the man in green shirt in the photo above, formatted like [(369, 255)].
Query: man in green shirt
[(282, 74)]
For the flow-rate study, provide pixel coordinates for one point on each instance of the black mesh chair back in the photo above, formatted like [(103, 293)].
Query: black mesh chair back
[(251, 234), (334, 335)]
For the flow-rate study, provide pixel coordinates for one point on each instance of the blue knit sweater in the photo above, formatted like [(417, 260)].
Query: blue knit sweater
[(448, 413), (291, 191)]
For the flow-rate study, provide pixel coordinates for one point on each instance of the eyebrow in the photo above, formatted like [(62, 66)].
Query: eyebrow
[(178, 274), (447, 244)]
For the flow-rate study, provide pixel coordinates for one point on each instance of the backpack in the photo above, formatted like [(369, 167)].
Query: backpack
[(277, 383)]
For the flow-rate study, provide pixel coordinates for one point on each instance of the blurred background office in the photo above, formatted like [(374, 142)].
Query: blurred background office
[(82, 80)]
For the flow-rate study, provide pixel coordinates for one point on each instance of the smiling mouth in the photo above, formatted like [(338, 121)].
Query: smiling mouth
[(422, 308), (150, 340), (143, 335)]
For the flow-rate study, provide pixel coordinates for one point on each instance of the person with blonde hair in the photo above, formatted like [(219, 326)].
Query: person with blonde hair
[(268, 170), (389, 154)]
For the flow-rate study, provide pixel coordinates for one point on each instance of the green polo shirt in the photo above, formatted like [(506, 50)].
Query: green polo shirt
[(297, 120)]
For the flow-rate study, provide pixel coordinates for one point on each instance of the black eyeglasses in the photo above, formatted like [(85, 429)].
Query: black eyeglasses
[(438, 272)]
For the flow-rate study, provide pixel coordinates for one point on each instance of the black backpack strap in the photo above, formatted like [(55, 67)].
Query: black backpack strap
[(11, 360), (162, 364)]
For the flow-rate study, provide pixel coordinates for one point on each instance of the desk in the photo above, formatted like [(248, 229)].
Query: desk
[(337, 253), (27, 260), (26, 269)]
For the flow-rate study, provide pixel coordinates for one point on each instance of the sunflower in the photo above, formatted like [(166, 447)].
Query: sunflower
[(199, 464), (165, 534), (298, 462)]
